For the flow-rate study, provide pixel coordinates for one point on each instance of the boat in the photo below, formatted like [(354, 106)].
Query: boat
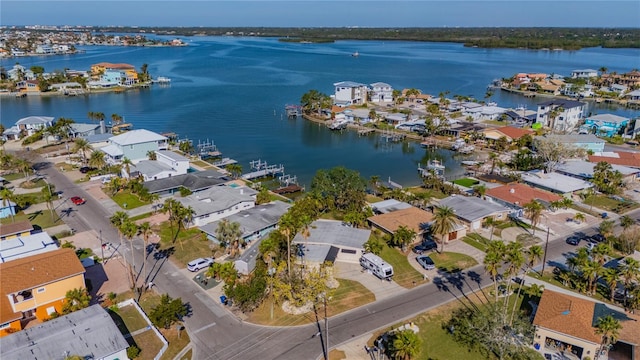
[(337, 125), (433, 168), (162, 80), (355, 54), (459, 143), (470, 163), (468, 149), (293, 111)]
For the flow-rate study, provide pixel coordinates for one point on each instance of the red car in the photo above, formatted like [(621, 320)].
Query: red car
[(78, 200)]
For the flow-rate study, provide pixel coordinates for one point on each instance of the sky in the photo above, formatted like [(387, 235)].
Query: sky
[(331, 13)]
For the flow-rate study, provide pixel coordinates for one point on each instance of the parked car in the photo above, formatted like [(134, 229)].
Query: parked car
[(573, 240), (77, 200), (598, 238), (426, 262), (426, 245), (86, 169), (590, 245), (199, 264)]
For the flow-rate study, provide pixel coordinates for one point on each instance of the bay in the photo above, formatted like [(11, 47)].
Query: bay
[(232, 91)]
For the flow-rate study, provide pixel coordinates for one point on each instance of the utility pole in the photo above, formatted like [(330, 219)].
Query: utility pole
[(326, 329), (102, 246), (546, 246)]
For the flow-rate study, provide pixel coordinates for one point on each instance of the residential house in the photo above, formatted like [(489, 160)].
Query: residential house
[(566, 326), (623, 158), (167, 164), (103, 67), (390, 205), (633, 95), (66, 87), (35, 287), (12, 133), (28, 86), (7, 208), (218, 202), (414, 219), (350, 93), (584, 74), (577, 91), (16, 229), (194, 182), (19, 73), (44, 49), (605, 124), (133, 145), (509, 132), (20, 246), (32, 124), (357, 115), (630, 79), (585, 141), (472, 211), (381, 93), (484, 113), (584, 170), (554, 182), (89, 333), (560, 114), (330, 241), (516, 196)]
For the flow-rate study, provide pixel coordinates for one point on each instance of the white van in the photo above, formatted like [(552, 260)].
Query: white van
[(377, 266)]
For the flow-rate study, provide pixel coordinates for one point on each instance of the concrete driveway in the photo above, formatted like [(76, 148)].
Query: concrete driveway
[(380, 288)]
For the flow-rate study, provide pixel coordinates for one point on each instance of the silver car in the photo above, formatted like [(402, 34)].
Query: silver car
[(199, 264), (426, 262)]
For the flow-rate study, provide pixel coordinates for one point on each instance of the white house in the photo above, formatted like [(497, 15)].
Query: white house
[(381, 92), (584, 73), (218, 202), (167, 164), (32, 124), (134, 145), (350, 93), (484, 113), (567, 114)]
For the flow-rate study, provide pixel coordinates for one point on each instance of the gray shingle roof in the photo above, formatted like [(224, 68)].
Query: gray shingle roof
[(197, 181), (566, 104), (172, 155), (254, 219), (32, 120), (470, 208), (331, 232), (150, 168), (214, 199), (136, 137)]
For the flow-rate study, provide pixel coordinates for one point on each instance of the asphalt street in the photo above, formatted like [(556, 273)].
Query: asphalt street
[(217, 334)]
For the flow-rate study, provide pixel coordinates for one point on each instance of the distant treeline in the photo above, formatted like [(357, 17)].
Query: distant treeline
[(527, 38)]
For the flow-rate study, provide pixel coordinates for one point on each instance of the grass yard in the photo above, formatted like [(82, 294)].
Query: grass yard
[(13, 176), (127, 200), (604, 202), (132, 318), (189, 245), (202, 164), (372, 199), (152, 345), (477, 241), (404, 274), (466, 182), (452, 262), (41, 219), (349, 295)]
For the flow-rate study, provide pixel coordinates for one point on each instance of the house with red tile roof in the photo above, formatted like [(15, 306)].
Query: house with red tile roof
[(622, 158), (34, 287), (566, 325), (510, 132), (516, 195)]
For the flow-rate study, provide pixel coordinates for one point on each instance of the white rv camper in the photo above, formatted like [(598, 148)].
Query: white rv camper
[(377, 266)]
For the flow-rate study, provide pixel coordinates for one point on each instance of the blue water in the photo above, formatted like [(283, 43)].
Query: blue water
[(232, 91)]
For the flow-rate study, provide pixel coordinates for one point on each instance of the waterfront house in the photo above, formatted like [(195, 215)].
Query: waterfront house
[(549, 87), (585, 141), (16, 229), (350, 93), (133, 145), (28, 86), (357, 115), (414, 219), (584, 74), (623, 158), (330, 241), (32, 124), (381, 93), (560, 114), (19, 73), (255, 224), (89, 333), (633, 95), (25, 244), (34, 287), (167, 164), (66, 87), (44, 49), (194, 182), (577, 91), (566, 326), (218, 202), (584, 170), (605, 124), (516, 195), (390, 205), (12, 133), (483, 113), (472, 211), (618, 89), (128, 70), (509, 132), (554, 182)]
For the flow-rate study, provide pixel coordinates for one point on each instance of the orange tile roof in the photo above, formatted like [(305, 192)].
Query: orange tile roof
[(567, 315), (15, 228), (624, 158), (514, 132), (521, 194), (115, 66), (413, 218)]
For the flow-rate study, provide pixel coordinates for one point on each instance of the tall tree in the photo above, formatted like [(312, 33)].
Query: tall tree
[(48, 196), (126, 163), (444, 222), (145, 231), (75, 299), (8, 197), (609, 328), (118, 219), (534, 210), (82, 146), (129, 231), (97, 160), (405, 345)]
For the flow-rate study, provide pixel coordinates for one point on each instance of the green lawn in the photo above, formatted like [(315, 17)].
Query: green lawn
[(452, 262), (466, 182), (604, 202), (13, 176), (201, 163), (477, 241), (190, 244), (41, 219), (127, 200), (404, 274)]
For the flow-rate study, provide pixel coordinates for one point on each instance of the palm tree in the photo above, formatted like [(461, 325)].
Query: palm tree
[(129, 230), (611, 277), (534, 211), (47, 196), (374, 181), (491, 223), (97, 160), (127, 166), (609, 327), (579, 217), (235, 170), (82, 146), (405, 345), (629, 271), (444, 222), (76, 299), (606, 228), (117, 220), (145, 231), (626, 222), (115, 118), (24, 166), (151, 155), (403, 236), (7, 198), (481, 190), (493, 261)]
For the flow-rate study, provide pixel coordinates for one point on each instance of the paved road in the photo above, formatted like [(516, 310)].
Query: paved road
[(217, 334)]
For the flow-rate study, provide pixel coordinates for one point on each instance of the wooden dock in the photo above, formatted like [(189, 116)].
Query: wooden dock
[(262, 169), (367, 131), (293, 188), (224, 162)]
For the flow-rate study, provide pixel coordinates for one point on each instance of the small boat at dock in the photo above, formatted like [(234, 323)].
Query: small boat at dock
[(162, 80), (433, 168)]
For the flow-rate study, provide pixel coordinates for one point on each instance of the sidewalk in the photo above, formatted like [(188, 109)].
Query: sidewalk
[(528, 280)]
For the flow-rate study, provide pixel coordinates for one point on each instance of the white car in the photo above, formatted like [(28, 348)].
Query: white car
[(199, 263)]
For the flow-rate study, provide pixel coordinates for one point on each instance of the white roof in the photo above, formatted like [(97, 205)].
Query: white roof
[(390, 205), (171, 155), (555, 181), (217, 198), (133, 137), (471, 208), (349, 84), (608, 118), (331, 232), (23, 246), (31, 120), (584, 169), (112, 150)]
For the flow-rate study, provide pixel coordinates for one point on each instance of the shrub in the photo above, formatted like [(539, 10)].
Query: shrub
[(133, 352)]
